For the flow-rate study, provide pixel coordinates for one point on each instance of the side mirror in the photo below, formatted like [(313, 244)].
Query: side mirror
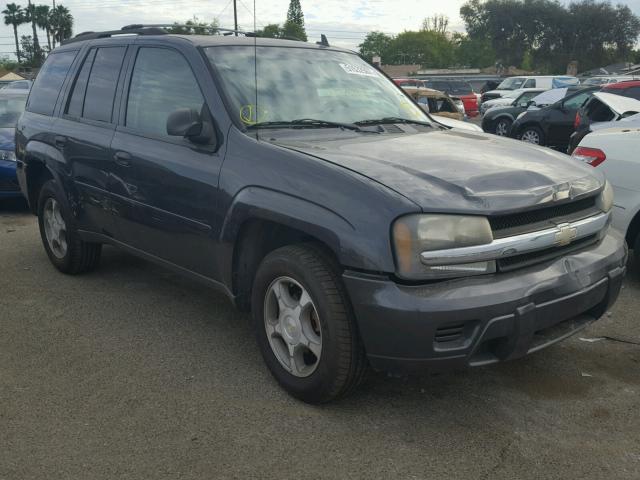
[(188, 123)]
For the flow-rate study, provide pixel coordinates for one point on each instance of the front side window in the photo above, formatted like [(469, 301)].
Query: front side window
[(301, 83), (46, 88), (577, 101), (162, 82), (531, 83)]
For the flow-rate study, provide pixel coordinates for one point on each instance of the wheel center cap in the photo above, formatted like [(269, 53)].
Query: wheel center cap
[(291, 328)]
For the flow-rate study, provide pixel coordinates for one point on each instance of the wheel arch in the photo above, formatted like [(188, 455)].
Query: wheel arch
[(261, 220), (633, 230), (42, 162)]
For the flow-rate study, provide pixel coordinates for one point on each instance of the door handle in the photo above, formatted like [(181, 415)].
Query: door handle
[(122, 158), (60, 141)]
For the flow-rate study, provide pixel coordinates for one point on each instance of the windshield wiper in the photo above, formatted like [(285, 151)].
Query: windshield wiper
[(381, 121), (306, 122)]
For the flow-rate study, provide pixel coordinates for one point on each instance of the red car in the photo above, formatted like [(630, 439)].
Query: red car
[(456, 88), (629, 88)]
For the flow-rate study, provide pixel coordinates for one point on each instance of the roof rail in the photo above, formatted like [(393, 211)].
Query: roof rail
[(154, 29)]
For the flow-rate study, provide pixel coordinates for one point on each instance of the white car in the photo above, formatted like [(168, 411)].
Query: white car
[(544, 82), (510, 98), (615, 152)]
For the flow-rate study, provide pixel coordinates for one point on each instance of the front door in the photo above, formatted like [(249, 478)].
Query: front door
[(562, 119), (166, 188)]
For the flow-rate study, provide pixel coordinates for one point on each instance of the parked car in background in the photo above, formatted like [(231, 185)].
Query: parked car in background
[(553, 125), (498, 120), (320, 198), (408, 82), (546, 82), (602, 108), (606, 79), (11, 107), (614, 151), (436, 103), (629, 88), (456, 88), (16, 87), (515, 97)]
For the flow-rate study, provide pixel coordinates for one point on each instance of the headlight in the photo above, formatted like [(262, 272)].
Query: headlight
[(9, 155), (605, 200), (414, 234)]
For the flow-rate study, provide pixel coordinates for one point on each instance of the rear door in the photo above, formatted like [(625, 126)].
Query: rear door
[(166, 186), (84, 132)]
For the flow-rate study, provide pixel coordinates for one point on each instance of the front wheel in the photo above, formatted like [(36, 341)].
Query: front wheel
[(503, 126), (304, 325), (532, 135)]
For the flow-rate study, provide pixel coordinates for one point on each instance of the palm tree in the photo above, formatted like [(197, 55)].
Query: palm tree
[(31, 17), (42, 21), (61, 22), (14, 16)]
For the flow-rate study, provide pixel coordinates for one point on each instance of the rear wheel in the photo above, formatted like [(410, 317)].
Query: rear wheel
[(304, 325), (532, 135), (65, 249), (636, 255), (503, 126)]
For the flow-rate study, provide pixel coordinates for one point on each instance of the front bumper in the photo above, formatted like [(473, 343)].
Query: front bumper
[(481, 320), (9, 186)]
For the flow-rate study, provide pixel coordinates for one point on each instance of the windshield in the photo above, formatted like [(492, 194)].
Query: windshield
[(511, 83), (303, 83), (10, 111)]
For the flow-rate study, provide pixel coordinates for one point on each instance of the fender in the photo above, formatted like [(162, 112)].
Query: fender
[(39, 155), (260, 203), (504, 115)]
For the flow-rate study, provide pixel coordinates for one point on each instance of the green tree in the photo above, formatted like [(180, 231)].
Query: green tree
[(426, 48), (61, 22), (32, 17), (7, 64), (473, 52), (196, 27), (294, 25), (272, 30), (376, 43), (42, 13), (28, 51), (14, 16)]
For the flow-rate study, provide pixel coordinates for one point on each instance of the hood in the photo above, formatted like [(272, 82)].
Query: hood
[(618, 103), (453, 123), (550, 96), (7, 138), (457, 171)]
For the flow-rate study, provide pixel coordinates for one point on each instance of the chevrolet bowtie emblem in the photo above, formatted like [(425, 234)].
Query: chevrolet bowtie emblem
[(566, 234)]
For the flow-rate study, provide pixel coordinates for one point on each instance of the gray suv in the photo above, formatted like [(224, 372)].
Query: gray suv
[(356, 229)]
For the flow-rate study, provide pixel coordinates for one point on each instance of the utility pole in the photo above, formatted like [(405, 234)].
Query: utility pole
[(235, 17)]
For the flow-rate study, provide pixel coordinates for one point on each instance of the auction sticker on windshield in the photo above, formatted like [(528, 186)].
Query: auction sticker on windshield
[(358, 70)]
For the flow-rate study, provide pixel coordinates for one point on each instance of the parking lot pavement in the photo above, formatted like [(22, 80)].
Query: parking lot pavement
[(132, 372)]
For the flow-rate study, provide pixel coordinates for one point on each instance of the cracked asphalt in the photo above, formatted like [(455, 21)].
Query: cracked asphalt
[(132, 372)]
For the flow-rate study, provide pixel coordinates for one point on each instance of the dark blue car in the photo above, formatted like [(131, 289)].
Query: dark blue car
[(11, 106)]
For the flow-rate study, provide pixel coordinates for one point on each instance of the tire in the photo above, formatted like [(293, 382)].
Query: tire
[(69, 253), (341, 364), (636, 255), (503, 126), (528, 134)]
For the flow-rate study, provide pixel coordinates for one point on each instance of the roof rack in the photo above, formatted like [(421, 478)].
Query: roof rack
[(152, 29)]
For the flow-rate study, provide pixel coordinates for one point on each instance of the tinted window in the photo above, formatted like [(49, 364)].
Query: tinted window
[(162, 82), (76, 101), (438, 85), (460, 88), (101, 87), (530, 83), (577, 101), (49, 81)]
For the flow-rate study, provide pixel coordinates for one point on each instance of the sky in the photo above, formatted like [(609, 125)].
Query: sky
[(345, 22)]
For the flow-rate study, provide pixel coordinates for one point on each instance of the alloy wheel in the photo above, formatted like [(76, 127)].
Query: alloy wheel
[(293, 326), (531, 136), (55, 228)]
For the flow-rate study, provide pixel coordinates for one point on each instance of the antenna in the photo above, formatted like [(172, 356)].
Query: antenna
[(255, 65)]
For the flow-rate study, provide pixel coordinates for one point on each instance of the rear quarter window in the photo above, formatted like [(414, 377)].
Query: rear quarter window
[(46, 88)]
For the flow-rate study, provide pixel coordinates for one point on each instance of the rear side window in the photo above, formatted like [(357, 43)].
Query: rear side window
[(101, 87), (76, 100), (46, 88), (577, 101), (162, 82)]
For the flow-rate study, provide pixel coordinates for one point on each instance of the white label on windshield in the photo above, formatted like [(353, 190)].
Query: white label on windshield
[(358, 70)]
